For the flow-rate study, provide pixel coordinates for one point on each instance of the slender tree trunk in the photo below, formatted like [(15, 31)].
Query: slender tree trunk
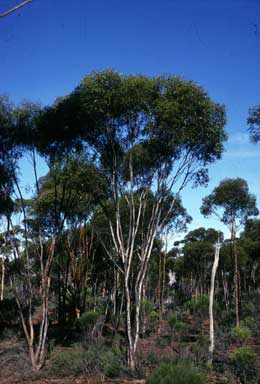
[(131, 354), (3, 278), (163, 276), (225, 288), (159, 283), (211, 299), (235, 255)]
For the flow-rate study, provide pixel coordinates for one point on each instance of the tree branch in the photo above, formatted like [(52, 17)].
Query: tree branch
[(6, 13)]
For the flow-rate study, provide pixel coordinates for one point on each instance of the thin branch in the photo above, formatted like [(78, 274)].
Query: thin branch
[(15, 8)]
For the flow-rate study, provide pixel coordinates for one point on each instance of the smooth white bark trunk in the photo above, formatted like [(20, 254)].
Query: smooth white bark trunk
[(211, 301)]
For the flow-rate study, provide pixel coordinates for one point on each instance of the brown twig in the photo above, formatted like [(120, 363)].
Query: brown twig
[(15, 8)]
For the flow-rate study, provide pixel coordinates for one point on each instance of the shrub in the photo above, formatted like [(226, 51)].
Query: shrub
[(91, 359), (244, 364), (147, 307), (87, 322), (95, 359), (8, 311), (152, 358), (249, 309), (172, 320), (176, 325), (98, 358), (241, 333), (198, 305), (67, 362), (153, 319), (88, 319), (201, 347), (250, 323), (172, 373), (111, 363)]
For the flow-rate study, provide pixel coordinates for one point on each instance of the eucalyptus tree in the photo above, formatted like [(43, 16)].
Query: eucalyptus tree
[(8, 153), (145, 135), (66, 201), (8, 159), (232, 202), (32, 243)]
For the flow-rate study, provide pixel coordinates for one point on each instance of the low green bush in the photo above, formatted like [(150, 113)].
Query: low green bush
[(244, 364), (250, 323), (177, 326), (86, 323), (88, 319), (241, 333), (198, 305), (147, 307), (173, 373), (94, 359), (249, 308), (111, 363), (67, 362), (98, 358), (153, 319), (200, 348)]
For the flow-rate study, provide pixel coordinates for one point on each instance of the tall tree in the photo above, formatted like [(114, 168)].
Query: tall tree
[(233, 204), (147, 136)]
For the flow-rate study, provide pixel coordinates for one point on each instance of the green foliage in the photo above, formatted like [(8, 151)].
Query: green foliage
[(86, 323), (201, 348), (101, 359), (8, 310), (155, 121), (177, 326), (172, 373), (70, 361), (94, 359), (152, 358), (254, 123), (111, 363), (233, 196), (249, 308), (244, 364), (147, 307), (198, 305), (146, 310), (249, 322), (241, 333), (153, 319), (88, 319), (172, 320)]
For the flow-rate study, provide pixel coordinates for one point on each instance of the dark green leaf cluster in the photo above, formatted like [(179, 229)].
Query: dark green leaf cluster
[(231, 195), (153, 121), (254, 123)]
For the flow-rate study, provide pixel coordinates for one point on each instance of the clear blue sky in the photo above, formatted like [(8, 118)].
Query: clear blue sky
[(49, 45)]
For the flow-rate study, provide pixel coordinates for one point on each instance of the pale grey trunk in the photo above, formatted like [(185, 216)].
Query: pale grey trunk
[(3, 278), (235, 256), (211, 300)]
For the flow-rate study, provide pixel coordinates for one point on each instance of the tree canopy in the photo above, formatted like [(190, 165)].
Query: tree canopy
[(253, 121), (234, 198)]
